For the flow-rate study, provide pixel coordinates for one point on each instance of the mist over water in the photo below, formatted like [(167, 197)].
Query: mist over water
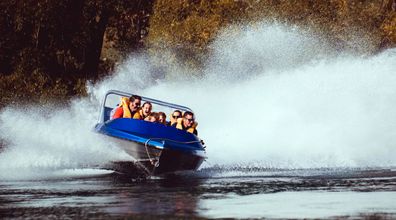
[(271, 96)]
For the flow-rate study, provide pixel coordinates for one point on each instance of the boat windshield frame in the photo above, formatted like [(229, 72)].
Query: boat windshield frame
[(144, 99)]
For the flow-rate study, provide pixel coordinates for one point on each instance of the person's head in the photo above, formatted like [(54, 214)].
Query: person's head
[(188, 119), (176, 114), (153, 117), (150, 119), (146, 107), (161, 118), (134, 102)]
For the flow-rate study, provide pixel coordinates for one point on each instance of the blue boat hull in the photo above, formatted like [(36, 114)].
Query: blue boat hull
[(156, 148)]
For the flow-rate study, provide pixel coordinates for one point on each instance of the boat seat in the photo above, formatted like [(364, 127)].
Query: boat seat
[(106, 115)]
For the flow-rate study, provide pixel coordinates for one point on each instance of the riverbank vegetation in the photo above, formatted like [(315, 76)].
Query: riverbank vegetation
[(50, 49)]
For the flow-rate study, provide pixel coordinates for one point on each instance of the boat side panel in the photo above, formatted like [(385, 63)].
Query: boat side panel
[(171, 161), (153, 131), (102, 128), (136, 150)]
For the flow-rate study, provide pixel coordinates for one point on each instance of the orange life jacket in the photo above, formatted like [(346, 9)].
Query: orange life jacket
[(191, 129), (125, 108), (140, 112), (137, 115), (126, 111)]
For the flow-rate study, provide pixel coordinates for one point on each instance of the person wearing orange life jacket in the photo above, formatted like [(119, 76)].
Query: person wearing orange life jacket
[(128, 108), (173, 118), (145, 110), (187, 123)]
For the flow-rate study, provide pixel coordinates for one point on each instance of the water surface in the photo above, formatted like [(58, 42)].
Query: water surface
[(210, 193)]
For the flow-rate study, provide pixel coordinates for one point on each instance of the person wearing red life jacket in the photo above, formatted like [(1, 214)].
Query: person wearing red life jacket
[(128, 108)]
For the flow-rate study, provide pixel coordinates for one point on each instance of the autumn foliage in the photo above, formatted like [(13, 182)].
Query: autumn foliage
[(49, 49)]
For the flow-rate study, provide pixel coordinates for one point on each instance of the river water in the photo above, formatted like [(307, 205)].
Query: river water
[(294, 129), (209, 193)]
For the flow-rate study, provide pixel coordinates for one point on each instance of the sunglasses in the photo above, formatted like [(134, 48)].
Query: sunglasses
[(190, 119), (176, 116)]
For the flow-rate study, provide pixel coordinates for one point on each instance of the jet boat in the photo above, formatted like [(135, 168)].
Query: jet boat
[(157, 149)]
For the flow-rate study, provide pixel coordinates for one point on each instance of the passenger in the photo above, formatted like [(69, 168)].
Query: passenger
[(162, 118), (128, 108), (175, 115), (145, 111), (112, 112), (187, 123), (153, 117)]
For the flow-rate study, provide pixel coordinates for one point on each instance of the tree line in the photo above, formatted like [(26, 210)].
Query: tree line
[(49, 49)]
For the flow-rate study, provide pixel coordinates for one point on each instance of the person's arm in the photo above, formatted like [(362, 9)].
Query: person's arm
[(118, 113)]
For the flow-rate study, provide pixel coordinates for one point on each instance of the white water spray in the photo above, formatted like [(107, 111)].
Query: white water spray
[(43, 142), (272, 96), (277, 97)]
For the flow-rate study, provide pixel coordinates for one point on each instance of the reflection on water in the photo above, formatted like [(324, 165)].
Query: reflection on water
[(208, 194), (169, 196)]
